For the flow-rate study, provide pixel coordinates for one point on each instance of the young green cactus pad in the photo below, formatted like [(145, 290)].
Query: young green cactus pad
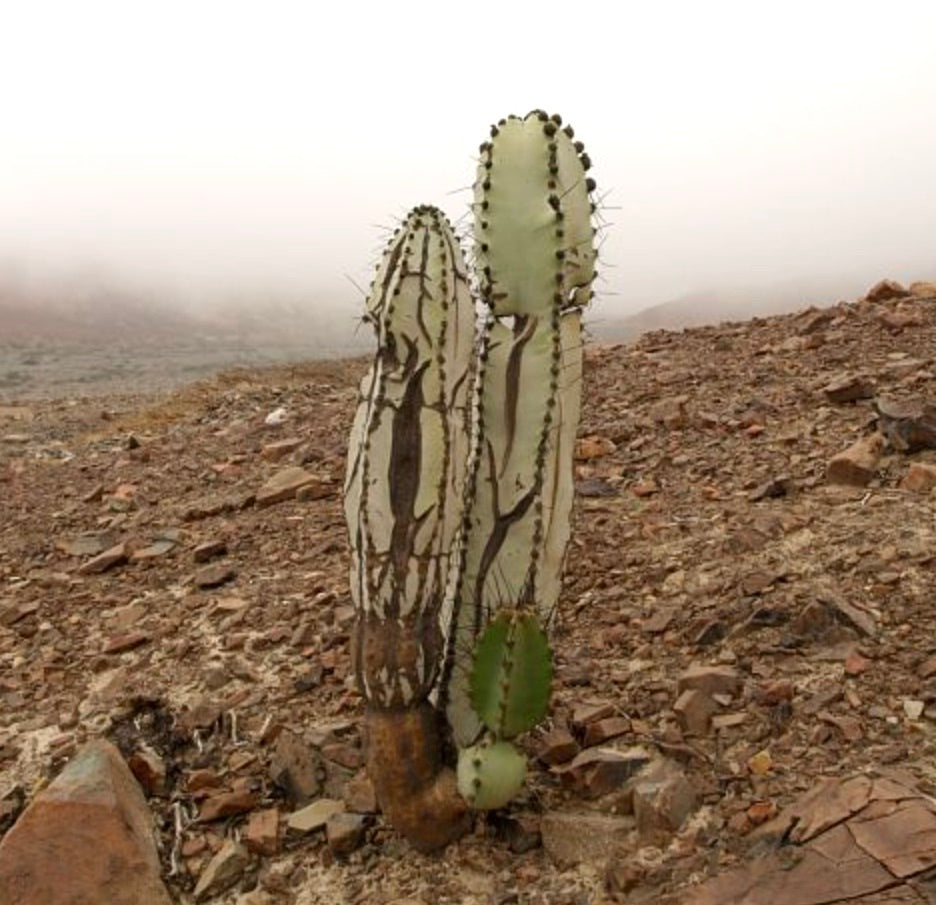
[(511, 674), (534, 252), (490, 774), (407, 458)]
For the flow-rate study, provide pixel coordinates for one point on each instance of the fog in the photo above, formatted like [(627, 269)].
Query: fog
[(212, 151)]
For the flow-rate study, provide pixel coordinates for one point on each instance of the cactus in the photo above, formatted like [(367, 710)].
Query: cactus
[(535, 255), (511, 672), (459, 486), (407, 465), (490, 774), (509, 691)]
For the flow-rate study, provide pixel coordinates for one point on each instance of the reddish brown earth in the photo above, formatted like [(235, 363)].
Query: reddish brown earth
[(146, 595)]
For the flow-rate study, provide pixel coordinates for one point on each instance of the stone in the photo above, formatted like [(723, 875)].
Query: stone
[(658, 623), (214, 576), (815, 321), (522, 831), (113, 556), (908, 426), (663, 799), (222, 871), (857, 465), (597, 771), (12, 612), (645, 487), (208, 550), (315, 491), (927, 669), (849, 726), (52, 855), (262, 834), (227, 804), (601, 731), (557, 747), (296, 768), (814, 620), (772, 489), (283, 485), (313, 816), (344, 754), (572, 838), (200, 780), (117, 644), (852, 615), (761, 763), (593, 447), (595, 488), (885, 290), (91, 543), (920, 478), (863, 839), (671, 413), (922, 289), (848, 388), (359, 794), (728, 720), (273, 452), (710, 679), (345, 832), (159, 547), (149, 769), (590, 711), (694, 710), (855, 664), (710, 632)]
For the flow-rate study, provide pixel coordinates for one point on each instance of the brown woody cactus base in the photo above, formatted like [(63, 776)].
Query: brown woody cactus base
[(416, 792)]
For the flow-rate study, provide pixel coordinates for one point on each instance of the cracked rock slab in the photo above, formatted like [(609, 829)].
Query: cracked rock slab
[(858, 840)]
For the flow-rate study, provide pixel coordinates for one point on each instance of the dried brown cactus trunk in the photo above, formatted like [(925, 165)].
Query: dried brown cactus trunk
[(416, 791)]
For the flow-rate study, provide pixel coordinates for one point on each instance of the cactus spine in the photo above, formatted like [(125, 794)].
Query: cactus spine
[(459, 524)]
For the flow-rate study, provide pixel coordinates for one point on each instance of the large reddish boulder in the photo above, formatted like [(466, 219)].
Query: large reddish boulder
[(87, 838)]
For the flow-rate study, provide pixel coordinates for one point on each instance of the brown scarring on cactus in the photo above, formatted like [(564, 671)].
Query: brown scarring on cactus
[(416, 791)]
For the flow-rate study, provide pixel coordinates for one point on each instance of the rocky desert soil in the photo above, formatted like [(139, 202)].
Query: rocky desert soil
[(747, 612)]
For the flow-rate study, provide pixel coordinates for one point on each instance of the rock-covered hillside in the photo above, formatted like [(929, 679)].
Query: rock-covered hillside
[(746, 612)]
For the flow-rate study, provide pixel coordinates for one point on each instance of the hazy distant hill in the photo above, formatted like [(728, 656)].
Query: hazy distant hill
[(732, 304), (71, 314)]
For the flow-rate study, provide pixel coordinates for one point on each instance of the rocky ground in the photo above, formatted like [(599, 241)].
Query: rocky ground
[(746, 612)]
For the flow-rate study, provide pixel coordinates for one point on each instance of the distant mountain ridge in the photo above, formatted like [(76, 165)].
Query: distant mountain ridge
[(101, 316), (740, 303)]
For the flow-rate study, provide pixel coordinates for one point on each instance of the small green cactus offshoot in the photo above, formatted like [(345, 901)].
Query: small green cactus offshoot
[(509, 690), (511, 674), (490, 774)]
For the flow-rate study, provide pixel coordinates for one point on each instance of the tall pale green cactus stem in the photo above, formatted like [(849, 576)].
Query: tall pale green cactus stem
[(407, 466), (535, 257)]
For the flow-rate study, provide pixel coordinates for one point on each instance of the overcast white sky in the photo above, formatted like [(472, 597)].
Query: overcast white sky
[(216, 145)]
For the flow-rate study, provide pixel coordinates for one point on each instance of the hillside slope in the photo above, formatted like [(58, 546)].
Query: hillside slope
[(707, 534)]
